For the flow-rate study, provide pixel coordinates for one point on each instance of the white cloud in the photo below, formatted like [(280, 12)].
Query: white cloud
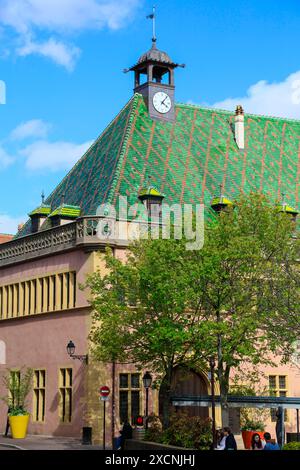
[(5, 158), (35, 128), (66, 15), (60, 53), (9, 224), (53, 155), (274, 99), (27, 18)]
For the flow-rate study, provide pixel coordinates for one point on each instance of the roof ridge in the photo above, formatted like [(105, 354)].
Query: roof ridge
[(226, 111), (134, 102)]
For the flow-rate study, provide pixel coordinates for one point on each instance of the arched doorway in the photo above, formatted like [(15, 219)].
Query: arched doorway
[(187, 382)]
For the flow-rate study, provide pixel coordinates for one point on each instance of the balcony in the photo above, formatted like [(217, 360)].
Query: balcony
[(83, 233)]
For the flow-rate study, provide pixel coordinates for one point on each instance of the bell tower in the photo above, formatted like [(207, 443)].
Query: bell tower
[(154, 79)]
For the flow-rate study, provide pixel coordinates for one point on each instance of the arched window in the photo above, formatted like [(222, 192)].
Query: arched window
[(2, 352)]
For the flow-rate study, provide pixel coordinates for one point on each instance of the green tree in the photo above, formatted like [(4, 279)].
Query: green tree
[(168, 306)]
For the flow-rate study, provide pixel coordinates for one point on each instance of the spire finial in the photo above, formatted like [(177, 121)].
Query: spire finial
[(239, 111), (43, 197), (153, 18)]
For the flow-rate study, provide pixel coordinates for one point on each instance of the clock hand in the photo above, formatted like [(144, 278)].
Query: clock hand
[(163, 102)]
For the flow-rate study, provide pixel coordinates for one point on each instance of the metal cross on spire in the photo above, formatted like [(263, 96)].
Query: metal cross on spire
[(153, 18)]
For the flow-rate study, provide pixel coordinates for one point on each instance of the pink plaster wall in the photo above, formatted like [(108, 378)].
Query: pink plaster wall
[(292, 372), (40, 342)]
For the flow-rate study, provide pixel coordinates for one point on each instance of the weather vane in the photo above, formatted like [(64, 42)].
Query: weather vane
[(153, 17)]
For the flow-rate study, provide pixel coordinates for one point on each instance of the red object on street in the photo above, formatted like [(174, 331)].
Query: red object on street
[(104, 391), (139, 421)]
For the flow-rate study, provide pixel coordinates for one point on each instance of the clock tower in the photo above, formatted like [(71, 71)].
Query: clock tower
[(154, 79)]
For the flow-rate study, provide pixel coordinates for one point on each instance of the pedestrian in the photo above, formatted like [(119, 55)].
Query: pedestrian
[(230, 443), (270, 444), (220, 440), (257, 443), (126, 433)]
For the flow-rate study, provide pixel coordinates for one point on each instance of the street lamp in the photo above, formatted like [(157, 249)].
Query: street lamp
[(212, 364), (147, 381), (71, 351)]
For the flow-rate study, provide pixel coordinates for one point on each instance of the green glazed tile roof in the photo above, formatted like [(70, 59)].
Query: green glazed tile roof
[(67, 211), (42, 210), (188, 160)]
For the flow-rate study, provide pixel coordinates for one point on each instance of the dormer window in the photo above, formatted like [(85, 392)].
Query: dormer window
[(64, 214), (220, 203), (287, 209), (39, 215), (152, 199)]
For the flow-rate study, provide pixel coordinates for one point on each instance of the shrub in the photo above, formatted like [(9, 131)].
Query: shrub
[(18, 387), (250, 425), (184, 431), (291, 446)]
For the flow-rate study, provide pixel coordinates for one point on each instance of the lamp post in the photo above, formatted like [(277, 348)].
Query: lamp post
[(71, 351), (213, 405), (147, 381)]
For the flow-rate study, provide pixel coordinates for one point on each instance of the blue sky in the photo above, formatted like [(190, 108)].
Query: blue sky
[(62, 62)]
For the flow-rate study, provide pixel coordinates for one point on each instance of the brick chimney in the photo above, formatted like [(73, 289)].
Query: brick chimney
[(239, 127)]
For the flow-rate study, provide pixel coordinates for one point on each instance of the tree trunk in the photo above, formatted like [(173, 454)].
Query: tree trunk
[(166, 408), (223, 377), (224, 388), (166, 394)]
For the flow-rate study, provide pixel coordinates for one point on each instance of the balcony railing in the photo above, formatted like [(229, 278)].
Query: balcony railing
[(52, 241)]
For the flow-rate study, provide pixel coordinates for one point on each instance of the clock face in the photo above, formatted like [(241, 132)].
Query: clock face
[(162, 102)]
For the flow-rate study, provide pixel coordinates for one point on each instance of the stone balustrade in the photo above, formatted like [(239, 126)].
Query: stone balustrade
[(82, 232)]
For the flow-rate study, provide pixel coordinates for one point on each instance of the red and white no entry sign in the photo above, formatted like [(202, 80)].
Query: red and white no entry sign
[(104, 391)]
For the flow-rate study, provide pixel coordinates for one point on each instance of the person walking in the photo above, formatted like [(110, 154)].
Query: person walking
[(269, 444), (257, 443), (220, 440), (126, 433), (230, 442)]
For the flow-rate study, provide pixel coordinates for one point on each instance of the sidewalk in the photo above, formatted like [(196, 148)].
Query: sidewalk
[(32, 442)]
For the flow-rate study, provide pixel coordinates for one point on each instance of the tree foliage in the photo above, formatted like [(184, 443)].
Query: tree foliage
[(234, 299)]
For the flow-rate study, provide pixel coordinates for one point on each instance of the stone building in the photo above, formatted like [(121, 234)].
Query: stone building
[(188, 152)]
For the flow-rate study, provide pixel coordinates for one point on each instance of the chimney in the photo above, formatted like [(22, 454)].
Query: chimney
[(239, 128)]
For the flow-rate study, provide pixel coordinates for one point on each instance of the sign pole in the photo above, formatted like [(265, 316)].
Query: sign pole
[(104, 410), (104, 393)]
